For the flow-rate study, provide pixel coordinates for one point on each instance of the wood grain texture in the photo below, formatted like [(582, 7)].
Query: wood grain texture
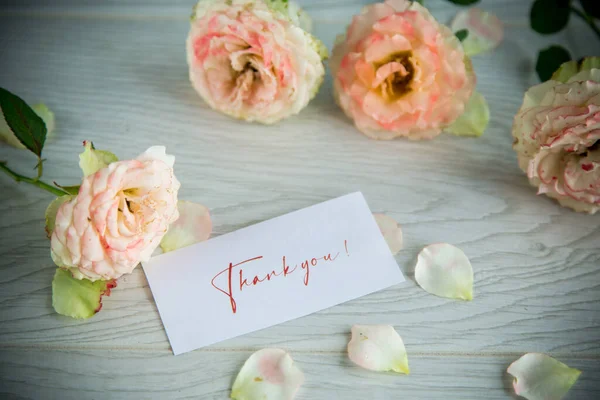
[(116, 74), (78, 375)]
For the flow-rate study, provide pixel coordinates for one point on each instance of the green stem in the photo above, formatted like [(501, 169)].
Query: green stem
[(40, 169), (588, 20), (31, 181)]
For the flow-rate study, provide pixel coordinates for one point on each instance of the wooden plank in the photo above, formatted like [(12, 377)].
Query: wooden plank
[(79, 375), (535, 263), (117, 75)]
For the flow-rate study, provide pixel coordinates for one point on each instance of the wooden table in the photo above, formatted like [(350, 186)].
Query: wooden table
[(116, 74)]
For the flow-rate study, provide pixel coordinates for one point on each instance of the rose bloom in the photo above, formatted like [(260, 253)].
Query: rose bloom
[(557, 139), (118, 218), (398, 72), (250, 59)]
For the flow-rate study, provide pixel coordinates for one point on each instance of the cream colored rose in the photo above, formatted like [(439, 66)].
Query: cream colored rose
[(252, 59), (118, 218), (398, 72), (557, 137)]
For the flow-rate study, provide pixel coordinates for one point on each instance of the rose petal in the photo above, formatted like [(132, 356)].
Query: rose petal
[(192, 226), (541, 377), (52, 210), (565, 71), (391, 232), (7, 135), (378, 348), (157, 153), (586, 75), (92, 160), (475, 118), (77, 298), (485, 30), (572, 71), (445, 271), (268, 374)]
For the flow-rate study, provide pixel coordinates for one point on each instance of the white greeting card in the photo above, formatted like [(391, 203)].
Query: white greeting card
[(271, 272)]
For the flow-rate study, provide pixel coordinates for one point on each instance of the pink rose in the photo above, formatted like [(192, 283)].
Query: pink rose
[(398, 72), (118, 218), (250, 59), (557, 138)]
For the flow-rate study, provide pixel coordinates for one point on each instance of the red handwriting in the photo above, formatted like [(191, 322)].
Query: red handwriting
[(283, 271), (229, 292)]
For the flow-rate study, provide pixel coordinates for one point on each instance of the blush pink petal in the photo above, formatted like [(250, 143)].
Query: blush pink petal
[(376, 50), (541, 377), (362, 23), (486, 31), (268, 374), (391, 232), (378, 348), (444, 270), (193, 226)]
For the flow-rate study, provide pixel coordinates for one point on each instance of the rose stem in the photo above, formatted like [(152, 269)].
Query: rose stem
[(587, 19), (31, 181)]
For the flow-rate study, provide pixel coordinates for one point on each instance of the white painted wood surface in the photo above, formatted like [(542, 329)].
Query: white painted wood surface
[(116, 73)]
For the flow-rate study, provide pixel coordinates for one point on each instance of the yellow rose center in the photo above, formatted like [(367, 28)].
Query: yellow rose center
[(398, 83), (249, 69)]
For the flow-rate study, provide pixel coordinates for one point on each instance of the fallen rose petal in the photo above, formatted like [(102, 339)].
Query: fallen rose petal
[(391, 232), (269, 374), (541, 377), (445, 271), (7, 135), (92, 160), (378, 348), (485, 30), (77, 298), (52, 210), (192, 226), (475, 118)]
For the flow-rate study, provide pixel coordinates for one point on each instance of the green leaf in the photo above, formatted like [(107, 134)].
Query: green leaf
[(7, 135), (592, 7), (78, 298), (462, 34), (549, 16), (52, 210), (475, 118), (45, 114), (92, 160), (463, 2), (27, 126), (549, 60)]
